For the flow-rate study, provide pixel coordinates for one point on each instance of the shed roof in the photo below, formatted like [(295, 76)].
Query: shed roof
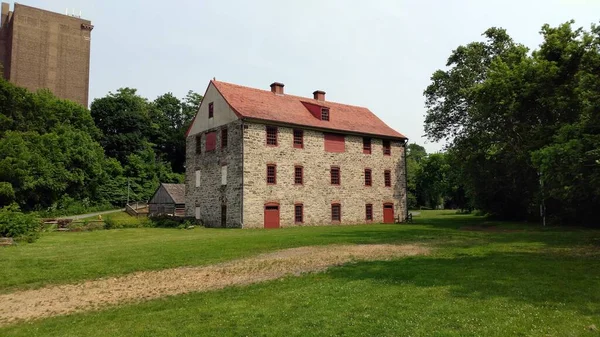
[(176, 191)]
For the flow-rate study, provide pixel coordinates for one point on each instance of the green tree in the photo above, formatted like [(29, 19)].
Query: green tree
[(171, 118), (123, 118), (499, 105)]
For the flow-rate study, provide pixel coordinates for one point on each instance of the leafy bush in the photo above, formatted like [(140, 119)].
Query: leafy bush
[(167, 221), (124, 220), (18, 225), (69, 206), (110, 223)]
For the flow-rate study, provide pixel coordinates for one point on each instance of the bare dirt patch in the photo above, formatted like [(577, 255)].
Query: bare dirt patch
[(90, 295)]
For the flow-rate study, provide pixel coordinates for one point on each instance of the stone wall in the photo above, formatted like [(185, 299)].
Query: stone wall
[(317, 194), (211, 195)]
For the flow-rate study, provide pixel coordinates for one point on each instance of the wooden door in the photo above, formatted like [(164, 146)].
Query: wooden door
[(388, 213), (223, 216), (272, 215)]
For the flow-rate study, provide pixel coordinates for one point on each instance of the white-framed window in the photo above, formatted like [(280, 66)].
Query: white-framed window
[(224, 175), (197, 178), (197, 212)]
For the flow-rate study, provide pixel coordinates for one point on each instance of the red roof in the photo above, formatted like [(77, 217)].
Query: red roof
[(265, 105)]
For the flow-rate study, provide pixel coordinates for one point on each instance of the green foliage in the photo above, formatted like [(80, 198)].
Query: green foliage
[(53, 151), (167, 221), (43, 167), (17, 225), (7, 194), (123, 220), (25, 111), (123, 119), (170, 120), (433, 180), (511, 115)]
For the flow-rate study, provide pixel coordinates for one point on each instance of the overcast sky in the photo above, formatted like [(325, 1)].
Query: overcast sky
[(378, 54)]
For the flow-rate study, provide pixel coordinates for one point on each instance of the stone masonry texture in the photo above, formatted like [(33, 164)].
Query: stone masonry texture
[(210, 196), (317, 194)]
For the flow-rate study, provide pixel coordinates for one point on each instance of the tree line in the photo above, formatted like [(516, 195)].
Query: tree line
[(433, 181), (58, 157), (523, 126)]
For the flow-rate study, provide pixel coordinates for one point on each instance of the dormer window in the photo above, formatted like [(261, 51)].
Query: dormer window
[(324, 114)]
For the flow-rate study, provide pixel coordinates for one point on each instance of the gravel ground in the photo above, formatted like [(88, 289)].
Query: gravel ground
[(92, 295)]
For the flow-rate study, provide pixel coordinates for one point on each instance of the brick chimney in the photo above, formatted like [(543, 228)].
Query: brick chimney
[(277, 88), (319, 95), (4, 14)]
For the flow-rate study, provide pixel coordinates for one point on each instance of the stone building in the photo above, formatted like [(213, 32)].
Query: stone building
[(41, 49), (266, 159)]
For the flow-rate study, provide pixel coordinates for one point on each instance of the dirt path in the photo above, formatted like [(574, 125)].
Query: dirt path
[(90, 295)]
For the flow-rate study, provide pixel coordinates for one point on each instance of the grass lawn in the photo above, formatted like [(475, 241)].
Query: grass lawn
[(517, 280)]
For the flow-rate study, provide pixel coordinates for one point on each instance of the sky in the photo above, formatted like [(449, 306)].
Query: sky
[(378, 54)]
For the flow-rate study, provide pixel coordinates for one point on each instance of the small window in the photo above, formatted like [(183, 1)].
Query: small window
[(211, 109), (369, 212), (335, 175), (197, 178), (298, 138), (336, 212), (271, 174), (198, 144), (325, 114), (224, 175), (368, 180), (387, 176), (211, 141), (298, 213), (387, 150), (298, 175), (272, 135), (224, 138), (366, 145)]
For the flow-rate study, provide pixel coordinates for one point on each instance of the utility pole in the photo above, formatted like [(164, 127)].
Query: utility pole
[(542, 204), (127, 190)]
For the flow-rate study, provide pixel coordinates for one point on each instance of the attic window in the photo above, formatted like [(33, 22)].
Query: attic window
[(211, 109), (325, 114)]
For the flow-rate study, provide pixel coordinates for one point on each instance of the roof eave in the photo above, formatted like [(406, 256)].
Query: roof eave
[(316, 128)]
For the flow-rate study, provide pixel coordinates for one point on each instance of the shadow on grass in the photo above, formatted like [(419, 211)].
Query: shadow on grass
[(452, 230), (550, 280)]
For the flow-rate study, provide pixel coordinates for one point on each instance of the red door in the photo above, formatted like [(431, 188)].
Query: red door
[(271, 216), (388, 213)]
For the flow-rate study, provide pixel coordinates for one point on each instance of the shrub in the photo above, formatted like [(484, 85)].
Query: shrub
[(110, 223), (167, 221), (18, 225)]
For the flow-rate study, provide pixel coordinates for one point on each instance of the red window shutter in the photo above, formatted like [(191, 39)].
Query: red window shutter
[(298, 213), (335, 142), (387, 149), (369, 212), (387, 177), (366, 145), (211, 141), (298, 138), (224, 138), (271, 174)]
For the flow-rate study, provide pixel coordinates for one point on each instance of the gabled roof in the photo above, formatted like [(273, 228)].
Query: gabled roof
[(176, 191), (289, 109)]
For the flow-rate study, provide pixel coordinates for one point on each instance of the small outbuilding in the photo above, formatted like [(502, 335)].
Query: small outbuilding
[(168, 199)]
